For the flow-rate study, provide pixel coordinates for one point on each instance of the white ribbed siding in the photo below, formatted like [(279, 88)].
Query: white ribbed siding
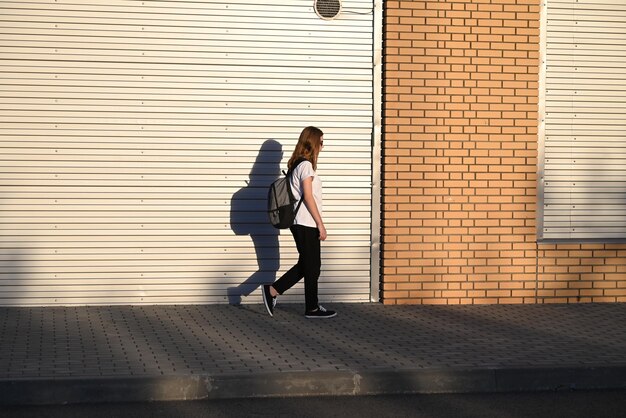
[(137, 144), (584, 144)]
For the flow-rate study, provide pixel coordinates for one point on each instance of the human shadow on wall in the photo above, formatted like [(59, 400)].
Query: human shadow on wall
[(248, 216)]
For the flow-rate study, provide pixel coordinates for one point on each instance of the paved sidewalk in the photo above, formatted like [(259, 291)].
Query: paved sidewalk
[(138, 353)]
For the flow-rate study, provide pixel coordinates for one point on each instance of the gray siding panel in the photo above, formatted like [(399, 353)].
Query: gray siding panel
[(584, 144), (137, 141)]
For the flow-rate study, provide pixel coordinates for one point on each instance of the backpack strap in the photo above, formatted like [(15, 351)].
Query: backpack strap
[(295, 165), (289, 173)]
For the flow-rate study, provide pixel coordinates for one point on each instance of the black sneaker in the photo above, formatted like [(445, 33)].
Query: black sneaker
[(268, 299), (321, 313)]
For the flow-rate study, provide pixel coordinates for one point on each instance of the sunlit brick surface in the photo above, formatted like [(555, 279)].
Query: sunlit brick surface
[(460, 147)]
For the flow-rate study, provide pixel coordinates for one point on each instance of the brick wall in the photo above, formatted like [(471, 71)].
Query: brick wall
[(460, 161)]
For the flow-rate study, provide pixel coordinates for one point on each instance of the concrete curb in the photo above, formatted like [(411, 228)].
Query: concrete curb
[(340, 383)]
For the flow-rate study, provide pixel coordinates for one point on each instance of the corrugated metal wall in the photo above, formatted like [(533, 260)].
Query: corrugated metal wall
[(138, 139), (584, 161)]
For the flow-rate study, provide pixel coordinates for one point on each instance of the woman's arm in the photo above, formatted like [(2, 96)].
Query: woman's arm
[(309, 202)]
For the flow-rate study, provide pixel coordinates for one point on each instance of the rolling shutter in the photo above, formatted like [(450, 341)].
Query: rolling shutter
[(138, 139), (584, 150)]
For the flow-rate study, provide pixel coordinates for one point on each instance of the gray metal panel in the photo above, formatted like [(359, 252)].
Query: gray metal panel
[(583, 150), (377, 162), (138, 140)]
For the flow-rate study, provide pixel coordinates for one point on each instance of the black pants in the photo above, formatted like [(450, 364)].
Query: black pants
[(309, 264)]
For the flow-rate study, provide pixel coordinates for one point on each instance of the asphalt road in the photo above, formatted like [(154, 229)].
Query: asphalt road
[(544, 404)]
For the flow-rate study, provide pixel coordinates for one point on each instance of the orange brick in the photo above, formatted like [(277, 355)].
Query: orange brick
[(461, 103)]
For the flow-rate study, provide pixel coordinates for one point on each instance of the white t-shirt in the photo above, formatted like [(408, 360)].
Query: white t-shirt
[(303, 171)]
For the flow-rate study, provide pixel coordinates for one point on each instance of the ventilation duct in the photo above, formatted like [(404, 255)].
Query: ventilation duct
[(327, 9)]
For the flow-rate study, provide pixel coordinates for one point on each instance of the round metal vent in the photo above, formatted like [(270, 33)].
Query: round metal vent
[(327, 9)]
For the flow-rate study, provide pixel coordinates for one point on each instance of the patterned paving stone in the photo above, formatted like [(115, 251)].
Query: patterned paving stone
[(119, 341)]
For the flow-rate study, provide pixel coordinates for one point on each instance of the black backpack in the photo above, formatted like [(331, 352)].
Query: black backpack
[(280, 200)]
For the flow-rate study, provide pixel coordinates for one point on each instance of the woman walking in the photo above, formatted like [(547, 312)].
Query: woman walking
[(308, 229)]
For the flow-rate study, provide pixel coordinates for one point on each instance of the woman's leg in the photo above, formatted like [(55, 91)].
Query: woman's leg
[(294, 274), (311, 262), (287, 280), (308, 266)]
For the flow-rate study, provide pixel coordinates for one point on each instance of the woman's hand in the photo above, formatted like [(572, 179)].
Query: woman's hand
[(323, 233)]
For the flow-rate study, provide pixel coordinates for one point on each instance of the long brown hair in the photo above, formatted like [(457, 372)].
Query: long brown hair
[(308, 146)]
